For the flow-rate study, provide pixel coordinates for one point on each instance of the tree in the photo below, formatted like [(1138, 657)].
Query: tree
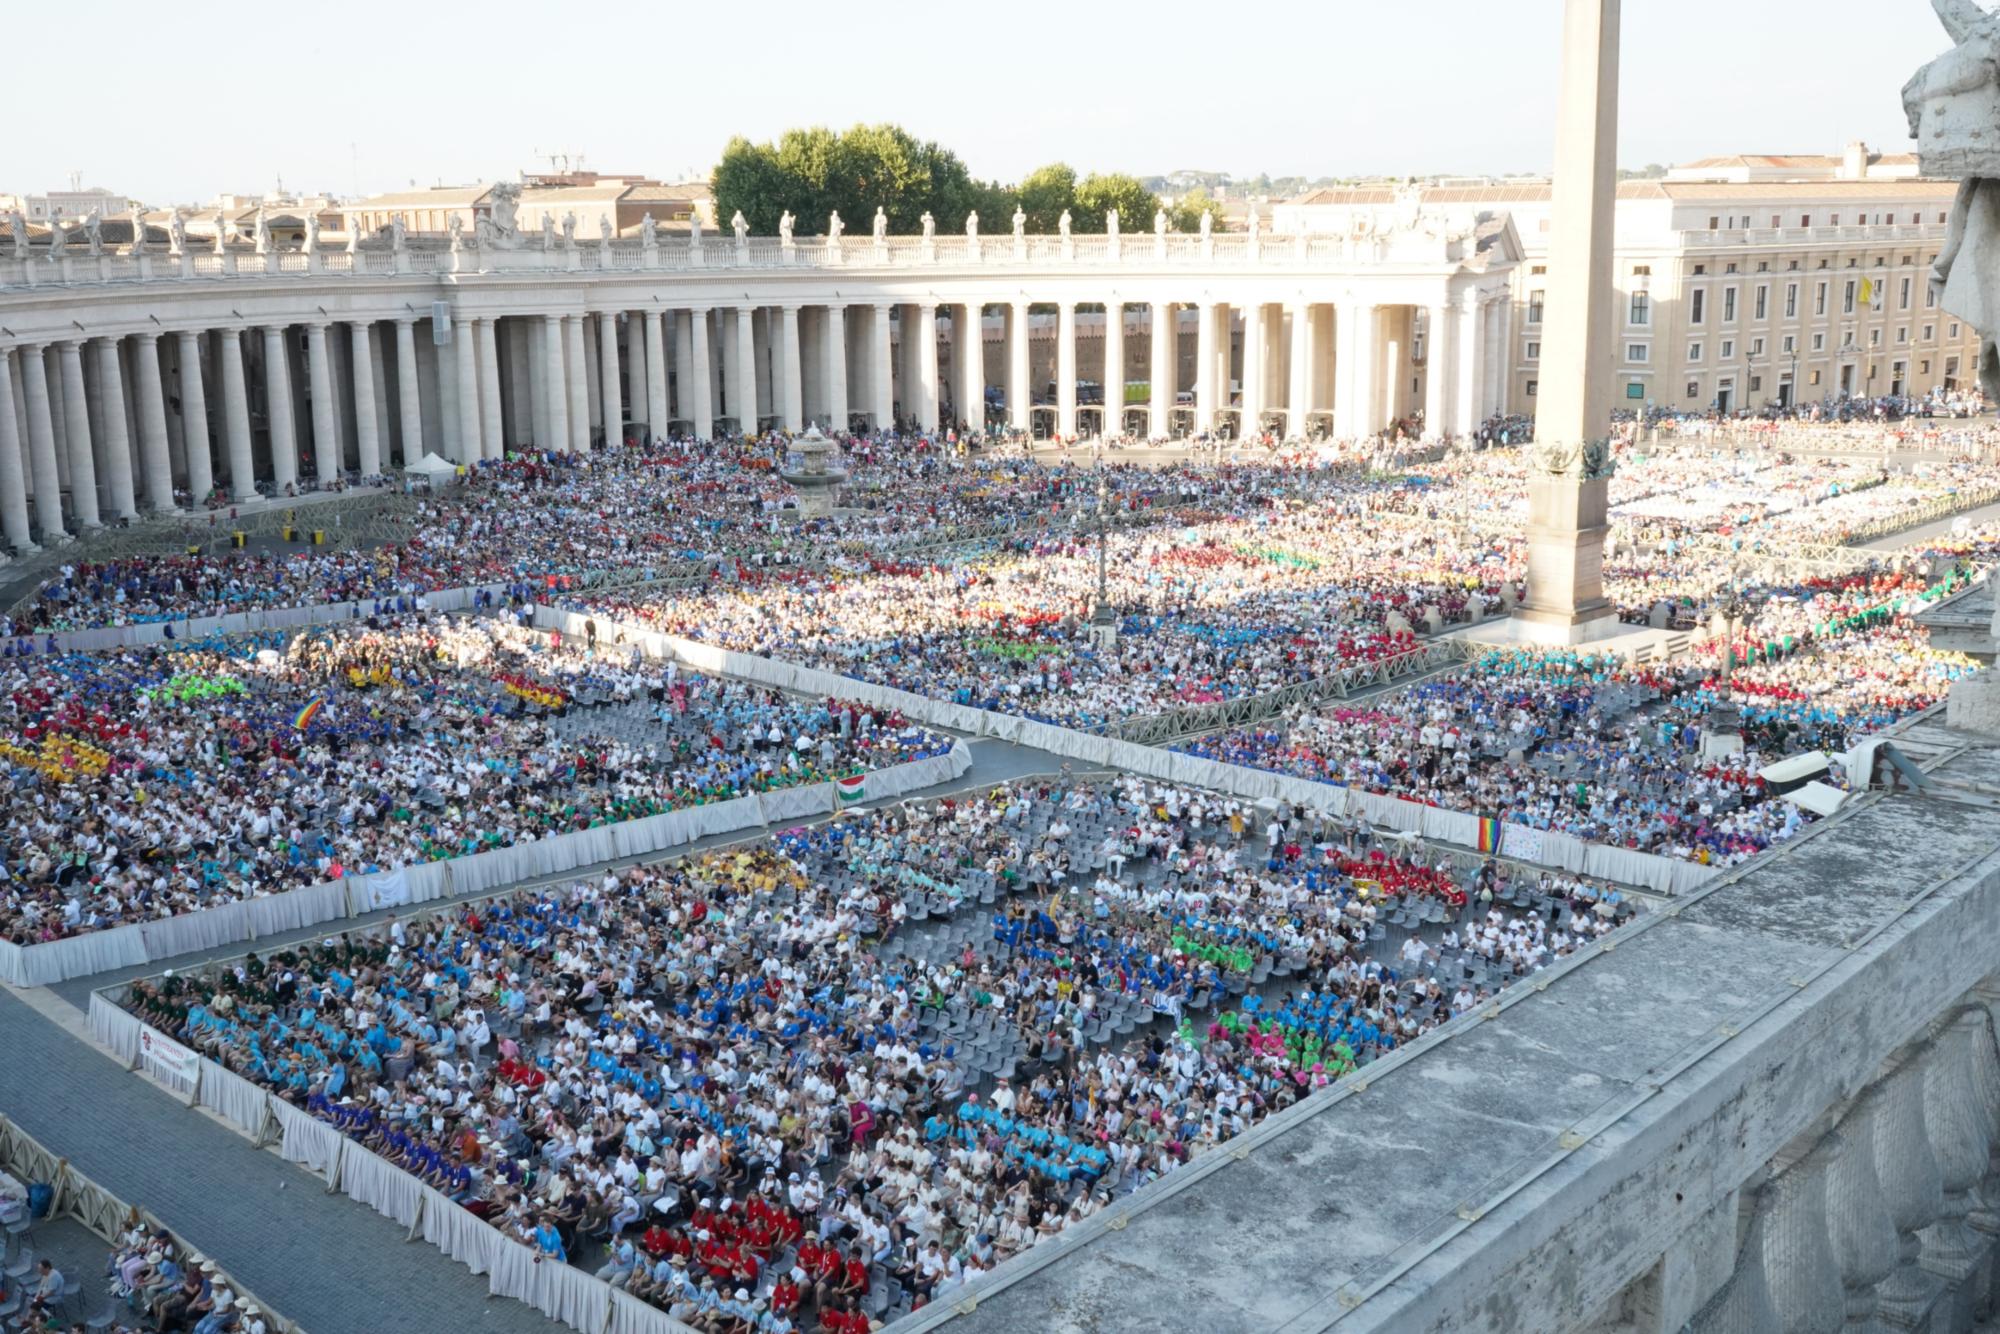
[(1187, 210), (1044, 193), (815, 171), (1095, 194)]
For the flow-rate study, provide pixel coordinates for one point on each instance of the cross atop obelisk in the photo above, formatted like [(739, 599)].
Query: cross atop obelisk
[(1570, 464)]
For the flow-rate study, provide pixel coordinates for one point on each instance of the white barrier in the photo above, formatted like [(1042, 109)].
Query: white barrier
[(252, 919), (1666, 875), (247, 622)]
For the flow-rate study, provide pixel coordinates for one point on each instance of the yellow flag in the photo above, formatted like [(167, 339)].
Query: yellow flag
[(1867, 291)]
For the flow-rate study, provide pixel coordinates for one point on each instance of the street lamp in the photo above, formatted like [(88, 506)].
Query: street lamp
[(1103, 622)]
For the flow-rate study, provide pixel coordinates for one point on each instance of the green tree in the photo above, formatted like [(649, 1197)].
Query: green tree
[(1187, 210), (1095, 194), (1044, 193), (815, 171)]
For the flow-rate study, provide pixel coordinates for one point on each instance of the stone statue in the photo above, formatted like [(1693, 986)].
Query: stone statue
[(1597, 463), (930, 226), (785, 227), (504, 212), (398, 232), (93, 232), (569, 231), (1256, 223), (548, 230), (694, 230), (972, 226), (17, 227), (1111, 222), (1953, 105), (138, 230), (1062, 224), (261, 232), (221, 232), (312, 232), (740, 227), (1207, 223), (649, 233), (604, 228), (457, 228), (1559, 458), (353, 237), (58, 239), (881, 225), (1020, 222), (834, 227), (1159, 222)]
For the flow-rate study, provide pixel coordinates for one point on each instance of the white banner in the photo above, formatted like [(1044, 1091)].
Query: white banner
[(390, 889), (1520, 841), (168, 1061)]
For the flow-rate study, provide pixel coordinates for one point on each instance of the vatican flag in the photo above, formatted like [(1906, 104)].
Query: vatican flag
[(1867, 292)]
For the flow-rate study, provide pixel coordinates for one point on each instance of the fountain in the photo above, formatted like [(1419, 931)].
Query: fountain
[(815, 474)]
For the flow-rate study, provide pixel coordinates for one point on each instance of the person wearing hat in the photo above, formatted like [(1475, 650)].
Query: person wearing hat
[(221, 1316)]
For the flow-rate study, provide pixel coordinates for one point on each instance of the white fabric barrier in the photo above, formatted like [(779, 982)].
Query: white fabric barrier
[(78, 956), (234, 1098), (246, 622), (116, 1028)]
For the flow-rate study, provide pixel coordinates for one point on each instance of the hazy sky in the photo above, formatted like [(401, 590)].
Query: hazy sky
[(347, 98)]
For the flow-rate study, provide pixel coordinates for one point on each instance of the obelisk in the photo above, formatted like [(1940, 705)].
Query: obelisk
[(1569, 466)]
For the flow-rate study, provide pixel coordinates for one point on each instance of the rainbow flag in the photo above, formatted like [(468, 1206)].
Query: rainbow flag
[(1489, 834), (307, 714)]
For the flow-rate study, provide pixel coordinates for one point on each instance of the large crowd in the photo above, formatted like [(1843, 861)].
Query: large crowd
[(825, 1077), (144, 784)]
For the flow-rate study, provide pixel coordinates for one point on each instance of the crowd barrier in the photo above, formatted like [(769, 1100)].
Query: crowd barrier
[(354, 895), (561, 1292), (25, 1158), (1664, 875)]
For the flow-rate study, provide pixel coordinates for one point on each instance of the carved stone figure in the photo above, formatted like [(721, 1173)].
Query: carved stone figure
[(785, 227), (17, 228), (972, 226), (740, 227), (1062, 224), (1953, 105), (604, 228), (1020, 222), (930, 226), (569, 231), (1559, 458), (457, 229), (1597, 462), (1111, 222), (93, 232), (649, 233), (504, 212), (353, 238), (58, 239), (138, 230), (312, 233), (1160, 222), (834, 227), (881, 225), (1207, 224), (221, 232), (261, 232), (548, 230), (1256, 223), (694, 230), (398, 233)]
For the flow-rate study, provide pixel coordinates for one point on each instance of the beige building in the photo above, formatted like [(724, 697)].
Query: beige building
[(592, 199), (1742, 281)]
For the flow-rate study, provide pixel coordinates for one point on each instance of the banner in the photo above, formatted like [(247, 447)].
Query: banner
[(1521, 842), (390, 889), (168, 1061), (851, 789)]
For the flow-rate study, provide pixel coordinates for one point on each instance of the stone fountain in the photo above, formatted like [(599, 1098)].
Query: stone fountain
[(813, 468)]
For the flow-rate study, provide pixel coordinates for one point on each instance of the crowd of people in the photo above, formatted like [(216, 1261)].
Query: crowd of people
[(145, 784), (832, 1075)]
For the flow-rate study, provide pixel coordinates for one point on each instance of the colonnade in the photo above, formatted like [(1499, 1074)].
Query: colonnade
[(99, 428)]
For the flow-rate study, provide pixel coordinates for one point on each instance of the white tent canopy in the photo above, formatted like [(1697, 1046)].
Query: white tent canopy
[(430, 465)]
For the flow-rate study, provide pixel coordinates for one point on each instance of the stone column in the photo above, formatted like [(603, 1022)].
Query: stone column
[(1165, 385), (367, 441), (1113, 373), (1395, 353), (379, 370), (409, 392), (1020, 393), (492, 425), (555, 375), (881, 367), (326, 435), (1204, 367), (1365, 381), (592, 378), (238, 441), (278, 397), (812, 363), (42, 445), (656, 368), (1437, 379), (639, 338), (1298, 393), (576, 384), (13, 464), (1499, 374), (701, 413), (793, 405), (1471, 355), (157, 461), (836, 367), (927, 367), (465, 382), (1066, 369), (194, 420), (76, 423), (607, 377), (1251, 423), (742, 367), (117, 439)]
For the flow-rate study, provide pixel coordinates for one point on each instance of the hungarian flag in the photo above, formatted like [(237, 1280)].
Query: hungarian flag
[(851, 789)]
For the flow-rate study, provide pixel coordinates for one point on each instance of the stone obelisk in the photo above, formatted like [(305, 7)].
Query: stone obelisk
[(1570, 464)]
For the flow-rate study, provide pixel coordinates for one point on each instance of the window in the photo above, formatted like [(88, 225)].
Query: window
[(1756, 383), (1534, 387), (1635, 389), (1694, 389), (1535, 300), (1847, 299), (1642, 270), (1756, 347), (1791, 301), (1951, 368), (1905, 299), (1728, 348), (1836, 220), (1729, 305), (1638, 351), (1700, 269), (1930, 297), (1763, 302), (1539, 270), (1763, 266), (1642, 309), (1815, 378), (1819, 300), (1790, 345), (1926, 364), (1805, 219), (1819, 343), (1534, 350), (1792, 266), (1777, 221), (1714, 223), (1697, 306), (1903, 334), (1694, 351), (1952, 332), (1729, 268), (1930, 332), (1874, 338)]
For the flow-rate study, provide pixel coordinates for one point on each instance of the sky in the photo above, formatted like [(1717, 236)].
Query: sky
[(351, 99)]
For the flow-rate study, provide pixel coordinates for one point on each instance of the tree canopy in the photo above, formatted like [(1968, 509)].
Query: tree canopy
[(815, 171)]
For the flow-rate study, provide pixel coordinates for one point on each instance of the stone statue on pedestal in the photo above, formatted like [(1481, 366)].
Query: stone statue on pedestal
[(834, 227), (1207, 224), (649, 233), (1256, 224), (694, 230), (1160, 222), (398, 231), (972, 226), (221, 232), (881, 225), (930, 226), (569, 231), (785, 228), (261, 232), (17, 228), (312, 233), (1111, 222), (548, 231), (138, 230), (353, 237), (456, 226), (93, 232), (504, 213), (58, 239), (1020, 222), (1953, 105), (604, 228), (1062, 225), (740, 227)]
